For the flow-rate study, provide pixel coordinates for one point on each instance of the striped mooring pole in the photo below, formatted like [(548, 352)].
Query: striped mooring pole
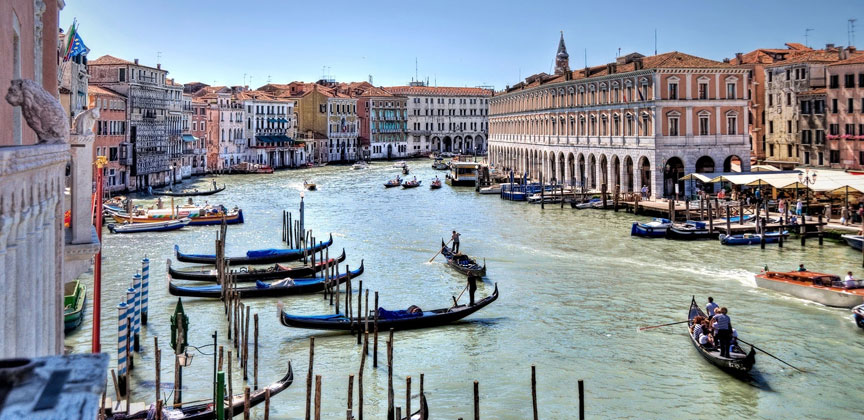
[(136, 322), (122, 356), (145, 287), (130, 315)]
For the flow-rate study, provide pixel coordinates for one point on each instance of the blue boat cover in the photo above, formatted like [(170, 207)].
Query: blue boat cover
[(261, 285), (398, 314), (268, 252)]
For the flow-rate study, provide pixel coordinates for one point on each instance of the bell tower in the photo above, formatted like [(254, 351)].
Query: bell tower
[(562, 59)]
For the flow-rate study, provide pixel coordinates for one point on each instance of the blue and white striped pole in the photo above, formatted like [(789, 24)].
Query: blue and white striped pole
[(122, 356), (145, 287), (130, 317), (136, 323)]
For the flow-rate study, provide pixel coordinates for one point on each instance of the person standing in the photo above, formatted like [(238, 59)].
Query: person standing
[(455, 239), (472, 287), (844, 216), (798, 207), (723, 331), (711, 307)]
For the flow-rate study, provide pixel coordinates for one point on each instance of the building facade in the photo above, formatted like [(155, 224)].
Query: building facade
[(198, 130), (271, 130), (148, 101), (383, 119), (73, 82), (342, 145), (445, 119), (844, 97), (226, 145), (812, 128), (639, 121), (174, 122), (110, 141)]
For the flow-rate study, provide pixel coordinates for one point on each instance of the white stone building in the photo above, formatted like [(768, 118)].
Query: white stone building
[(271, 130), (446, 119), (342, 127)]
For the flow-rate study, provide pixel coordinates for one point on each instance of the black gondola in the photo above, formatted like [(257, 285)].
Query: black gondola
[(427, 319), (260, 256), (690, 230), (422, 413), (462, 263), (248, 274), (207, 411), (261, 289), (738, 363), (195, 193)]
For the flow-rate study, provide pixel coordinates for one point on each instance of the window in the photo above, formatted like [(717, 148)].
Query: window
[(673, 90), (703, 90), (122, 75), (730, 90), (770, 100), (770, 127), (731, 124), (849, 81), (861, 80), (820, 136), (834, 106), (771, 150), (850, 106), (770, 76), (788, 99), (806, 107), (789, 150), (834, 156), (806, 136), (673, 119), (850, 129), (788, 126), (819, 106), (834, 129), (834, 81), (704, 123)]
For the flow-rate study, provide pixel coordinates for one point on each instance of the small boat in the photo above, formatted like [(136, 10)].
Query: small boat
[(278, 288), (855, 241), (858, 315), (393, 183), (654, 229), (737, 219), (399, 164), (689, 230), (258, 256), (599, 204), (436, 184), (405, 170), (738, 362), (74, 302), (397, 320), (192, 193), (359, 165), (250, 168), (462, 263), (250, 274), (586, 205), (198, 216), (411, 184), (440, 165), (826, 289), (167, 225), (751, 238), (492, 189), (206, 410), (309, 186)]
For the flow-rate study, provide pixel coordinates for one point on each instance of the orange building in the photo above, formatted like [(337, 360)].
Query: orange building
[(111, 136)]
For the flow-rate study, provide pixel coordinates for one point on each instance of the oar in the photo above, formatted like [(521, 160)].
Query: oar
[(439, 251), (662, 325), (456, 300), (779, 359)]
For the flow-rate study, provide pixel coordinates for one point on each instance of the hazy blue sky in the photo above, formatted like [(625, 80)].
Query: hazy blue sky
[(456, 43)]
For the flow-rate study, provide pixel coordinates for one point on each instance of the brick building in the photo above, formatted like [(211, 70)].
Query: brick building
[(844, 98), (111, 131)]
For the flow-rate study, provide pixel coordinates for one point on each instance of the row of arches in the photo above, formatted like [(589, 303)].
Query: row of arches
[(629, 122), (467, 144), (628, 89)]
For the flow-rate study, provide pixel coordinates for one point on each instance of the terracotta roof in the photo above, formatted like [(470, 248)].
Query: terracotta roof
[(376, 91), (108, 60), (811, 92), (438, 90), (856, 57), (677, 59), (99, 90), (798, 47), (812, 56)]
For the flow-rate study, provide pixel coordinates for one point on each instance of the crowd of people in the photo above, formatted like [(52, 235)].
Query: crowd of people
[(714, 331)]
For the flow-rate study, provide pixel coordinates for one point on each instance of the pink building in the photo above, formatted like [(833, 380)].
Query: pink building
[(845, 112), (111, 137)]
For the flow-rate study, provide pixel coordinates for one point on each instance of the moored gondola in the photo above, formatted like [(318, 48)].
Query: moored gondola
[(654, 229), (397, 320), (259, 256), (462, 263), (207, 411), (248, 274), (690, 230), (738, 362), (285, 287), (192, 193), (752, 238)]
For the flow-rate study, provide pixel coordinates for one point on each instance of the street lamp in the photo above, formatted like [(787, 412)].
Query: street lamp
[(807, 179), (171, 172)]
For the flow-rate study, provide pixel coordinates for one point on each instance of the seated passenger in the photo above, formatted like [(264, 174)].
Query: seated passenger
[(414, 309), (850, 282), (706, 341), (696, 326)]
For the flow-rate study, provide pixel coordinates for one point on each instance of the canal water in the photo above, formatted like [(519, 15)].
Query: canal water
[(574, 289)]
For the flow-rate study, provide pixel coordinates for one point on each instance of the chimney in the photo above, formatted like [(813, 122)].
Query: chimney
[(726, 60), (740, 57), (637, 63), (159, 66), (136, 61), (611, 68), (829, 46)]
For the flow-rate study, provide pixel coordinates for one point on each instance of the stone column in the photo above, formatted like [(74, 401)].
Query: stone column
[(82, 186), (7, 282), (25, 302)]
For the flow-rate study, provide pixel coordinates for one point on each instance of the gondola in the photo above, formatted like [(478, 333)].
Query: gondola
[(194, 193), (752, 238), (259, 256), (74, 302), (405, 170), (738, 363), (462, 263), (397, 320), (148, 227), (393, 183), (654, 229), (858, 315), (689, 230), (206, 411), (411, 184), (250, 274), (436, 184), (260, 289)]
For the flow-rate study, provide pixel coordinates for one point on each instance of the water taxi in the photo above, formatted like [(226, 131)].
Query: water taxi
[(826, 289), (463, 174)]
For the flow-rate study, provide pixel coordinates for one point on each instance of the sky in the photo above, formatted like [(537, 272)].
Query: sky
[(454, 43)]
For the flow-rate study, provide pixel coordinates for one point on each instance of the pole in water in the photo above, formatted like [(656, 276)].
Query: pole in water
[(309, 379), (534, 390), (581, 400), (317, 397), (476, 400), (350, 393)]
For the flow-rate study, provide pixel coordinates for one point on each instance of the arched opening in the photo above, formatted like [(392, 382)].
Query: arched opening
[(705, 165), (571, 169), (592, 172), (604, 172), (552, 175), (673, 171), (581, 174), (645, 175), (616, 172), (469, 144), (448, 144), (457, 144), (732, 164), (561, 172), (436, 143), (628, 174)]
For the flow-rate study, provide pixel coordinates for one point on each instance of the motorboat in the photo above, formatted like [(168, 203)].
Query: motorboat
[(492, 189), (653, 229), (855, 241), (826, 289), (399, 164), (689, 230), (359, 165)]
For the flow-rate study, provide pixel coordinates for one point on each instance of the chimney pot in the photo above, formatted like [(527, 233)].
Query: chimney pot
[(726, 60), (829, 46), (739, 56), (159, 66), (136, 61)]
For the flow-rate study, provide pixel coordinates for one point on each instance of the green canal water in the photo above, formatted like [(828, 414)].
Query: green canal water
[(574, 289)]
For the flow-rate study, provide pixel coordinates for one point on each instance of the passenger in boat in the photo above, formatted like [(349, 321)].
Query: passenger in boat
[(455, 239), (850, 282), (801, 268), (705, 340), (414, 309), (472, 287), (711, 307), (723, 331), (159, 204), (696, 326)]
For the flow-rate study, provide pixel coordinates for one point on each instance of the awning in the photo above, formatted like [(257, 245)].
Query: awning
[(274, 139), (764, 168), (705, 178), (188, 138)]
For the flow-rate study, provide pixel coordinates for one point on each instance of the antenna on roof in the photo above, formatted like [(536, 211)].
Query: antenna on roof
[(370, 80), (851, 32), (655, 41), (807, 37), (244, 79), (158, 56), (268, 79), (416, 77), (586, 58)]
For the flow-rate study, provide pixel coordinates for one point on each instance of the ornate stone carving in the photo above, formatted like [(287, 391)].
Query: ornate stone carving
[(83, 122), (43, 112)]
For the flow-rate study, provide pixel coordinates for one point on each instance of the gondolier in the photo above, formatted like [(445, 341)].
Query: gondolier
[(723, 331), (455, 239), (472, 287)]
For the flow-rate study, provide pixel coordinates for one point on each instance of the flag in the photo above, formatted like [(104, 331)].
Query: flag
[(77, 48), (70, 35)]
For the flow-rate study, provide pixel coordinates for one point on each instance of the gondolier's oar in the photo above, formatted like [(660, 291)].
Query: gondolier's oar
[(456, 300), (662, 325), (779, 359), (439, 251)]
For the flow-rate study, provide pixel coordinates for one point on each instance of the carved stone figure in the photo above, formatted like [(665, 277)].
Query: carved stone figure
[(43, 112), (83, 122)]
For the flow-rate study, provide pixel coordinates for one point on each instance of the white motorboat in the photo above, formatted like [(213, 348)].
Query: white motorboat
[(399, 164), (492, 189), (826, 289), (359, 165)]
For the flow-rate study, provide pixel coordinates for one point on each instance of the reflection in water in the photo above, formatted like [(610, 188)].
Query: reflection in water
[(574, 289)]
